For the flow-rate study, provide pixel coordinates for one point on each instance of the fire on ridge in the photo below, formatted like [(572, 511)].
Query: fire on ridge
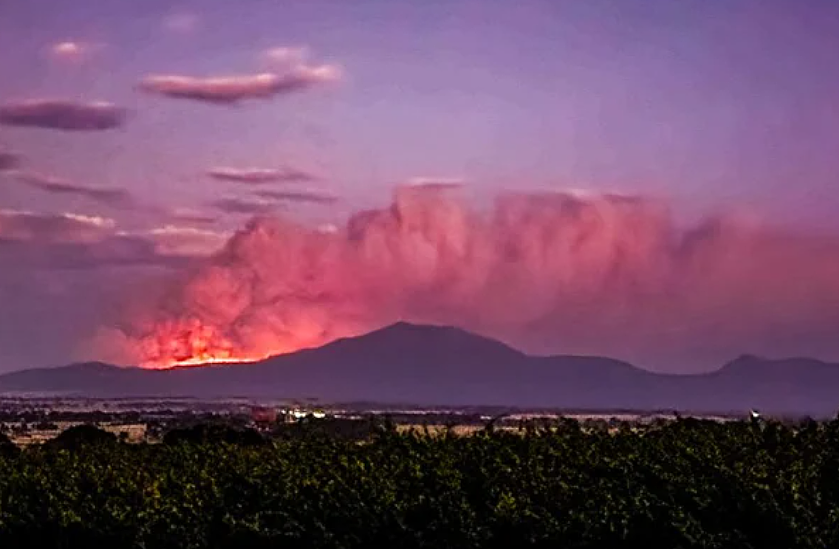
[(193, 343), (549, 273)]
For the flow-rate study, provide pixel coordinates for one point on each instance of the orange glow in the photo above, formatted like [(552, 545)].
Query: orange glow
[(190, 342), (204, 360)]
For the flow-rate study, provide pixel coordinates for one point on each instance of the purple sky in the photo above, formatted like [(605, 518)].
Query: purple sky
[(710, 104), (705, 101)]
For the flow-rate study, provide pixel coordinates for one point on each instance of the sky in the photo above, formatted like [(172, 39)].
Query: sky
[(135, 137)]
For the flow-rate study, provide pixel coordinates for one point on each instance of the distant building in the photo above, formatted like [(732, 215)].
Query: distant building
[(297, 414)]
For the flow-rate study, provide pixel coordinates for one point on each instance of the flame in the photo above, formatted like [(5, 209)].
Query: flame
[(191, 342), (206, 359)]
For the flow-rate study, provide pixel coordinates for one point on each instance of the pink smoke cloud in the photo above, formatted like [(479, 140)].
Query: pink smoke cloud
[(550, 273)]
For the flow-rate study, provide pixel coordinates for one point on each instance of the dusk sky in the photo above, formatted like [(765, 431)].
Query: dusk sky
[(119, 118)]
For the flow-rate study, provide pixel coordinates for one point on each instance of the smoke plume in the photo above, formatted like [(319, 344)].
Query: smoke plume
[(548, 273)]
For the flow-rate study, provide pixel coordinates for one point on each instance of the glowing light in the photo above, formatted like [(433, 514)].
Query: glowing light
[(204, 360), (190, 342)]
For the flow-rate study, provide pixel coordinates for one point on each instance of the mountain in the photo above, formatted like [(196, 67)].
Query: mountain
[(436, 365)]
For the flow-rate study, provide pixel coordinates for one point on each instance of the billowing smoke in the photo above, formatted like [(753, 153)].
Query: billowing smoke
[(548, 273)]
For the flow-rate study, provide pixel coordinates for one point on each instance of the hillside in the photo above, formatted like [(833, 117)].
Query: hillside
[(434, 365)]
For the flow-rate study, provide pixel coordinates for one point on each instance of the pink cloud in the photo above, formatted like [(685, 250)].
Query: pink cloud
[(260, 175), (67, 49), (73, 50), (558, 273), (175, 240), (437, 182), (235, 89)]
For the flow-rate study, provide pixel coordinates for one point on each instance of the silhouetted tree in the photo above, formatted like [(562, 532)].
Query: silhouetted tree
[(81, 435), (8, 448)]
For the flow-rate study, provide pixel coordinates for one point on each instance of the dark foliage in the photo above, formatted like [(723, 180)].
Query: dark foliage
[(8, 449), (78, 436), (213, 434), (686, 484), (334, 428)]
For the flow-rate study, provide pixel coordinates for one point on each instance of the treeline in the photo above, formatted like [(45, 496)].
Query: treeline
[(682, 484), (33, 419)]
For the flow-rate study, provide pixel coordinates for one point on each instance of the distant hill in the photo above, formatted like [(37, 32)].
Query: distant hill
[(434, 365)]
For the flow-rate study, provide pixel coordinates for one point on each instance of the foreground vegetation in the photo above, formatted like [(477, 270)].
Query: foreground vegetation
[(683, 484)]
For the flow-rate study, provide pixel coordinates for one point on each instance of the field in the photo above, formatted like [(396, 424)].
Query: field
[(681, 484)]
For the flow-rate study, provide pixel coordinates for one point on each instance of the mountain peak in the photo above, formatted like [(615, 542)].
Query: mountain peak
[(405, 326), (407, 337), (440, 365)]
